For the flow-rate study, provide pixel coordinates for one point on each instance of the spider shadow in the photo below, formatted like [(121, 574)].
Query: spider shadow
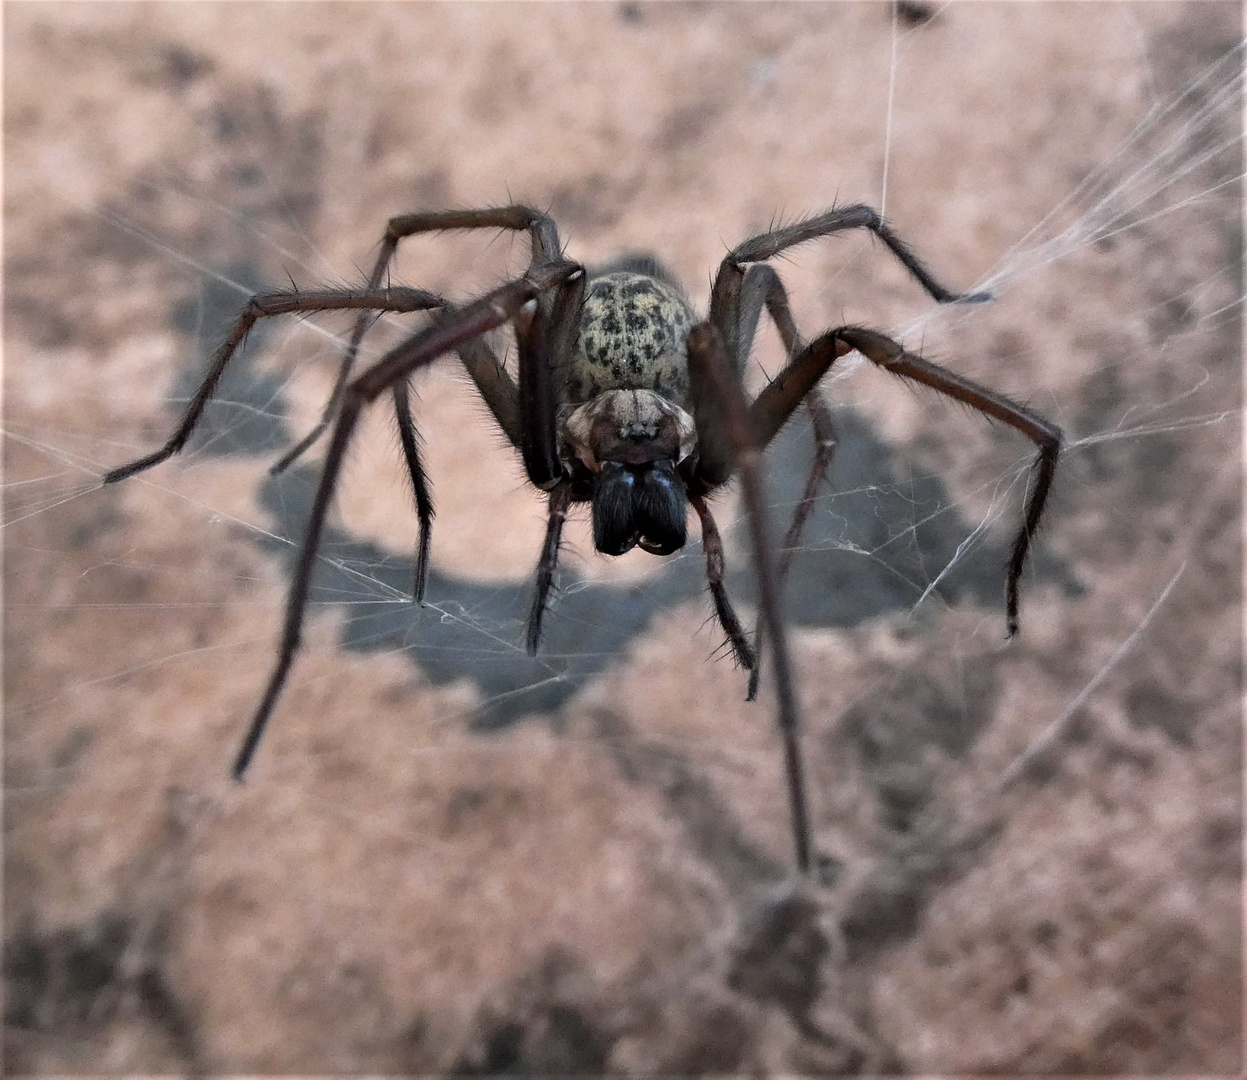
[(868, 551)]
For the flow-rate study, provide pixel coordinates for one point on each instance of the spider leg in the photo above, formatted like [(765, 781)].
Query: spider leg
[(495, 385), (824, 452), (422, 348), (712, 374), (545, 247), (546, 345), (296, 602), (762, 286), (260, 307), (527, 414), (769, 244), (559, 500), (735, 311), (500, 393), (502, 397), (420, 487), (772, 407), (712, 545)]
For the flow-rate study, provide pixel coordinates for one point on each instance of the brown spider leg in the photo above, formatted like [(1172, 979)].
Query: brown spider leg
[(769, 244), (527, 414), (824, 452), (711, 370), (422, 348), (420, 487), (546, 345), (296, 602), (712, 545), (495, 385), (260, 307), (545, 246), (773, 406), (559, 500), (500, 393), (736, 318), (762, 285)]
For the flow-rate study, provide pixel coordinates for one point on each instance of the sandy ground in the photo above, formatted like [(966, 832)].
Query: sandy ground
[(449, 856)]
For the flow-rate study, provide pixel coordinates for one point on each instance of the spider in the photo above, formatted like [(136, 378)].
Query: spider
[(626, 400)]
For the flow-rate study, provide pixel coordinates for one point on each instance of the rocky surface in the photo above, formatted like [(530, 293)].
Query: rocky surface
[(451, 857)]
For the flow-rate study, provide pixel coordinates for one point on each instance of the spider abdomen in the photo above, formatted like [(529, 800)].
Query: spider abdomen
[(633, 329)]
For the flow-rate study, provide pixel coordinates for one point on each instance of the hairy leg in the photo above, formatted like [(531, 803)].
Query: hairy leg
[(712, 546), (762, 287), (261, 307), (545, 248), (839, 219), (446, 335), (559, 500), (772, 407), (712, 371)]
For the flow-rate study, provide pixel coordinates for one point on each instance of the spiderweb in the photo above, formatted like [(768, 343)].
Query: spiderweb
[(1089, 176)]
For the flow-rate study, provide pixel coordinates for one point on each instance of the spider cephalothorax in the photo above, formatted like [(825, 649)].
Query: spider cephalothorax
[(623, 399)]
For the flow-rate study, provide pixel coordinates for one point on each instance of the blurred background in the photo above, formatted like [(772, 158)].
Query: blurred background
[(449, 856)]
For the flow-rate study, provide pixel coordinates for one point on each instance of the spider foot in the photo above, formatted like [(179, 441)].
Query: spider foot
[(123, 471)]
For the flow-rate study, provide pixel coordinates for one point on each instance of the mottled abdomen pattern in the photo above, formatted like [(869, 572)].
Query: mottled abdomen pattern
[(632, 337)]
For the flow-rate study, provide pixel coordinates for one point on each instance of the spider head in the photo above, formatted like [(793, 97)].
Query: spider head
[(632, 441)]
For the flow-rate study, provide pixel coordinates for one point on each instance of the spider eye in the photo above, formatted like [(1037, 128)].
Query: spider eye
[(613, 528)]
